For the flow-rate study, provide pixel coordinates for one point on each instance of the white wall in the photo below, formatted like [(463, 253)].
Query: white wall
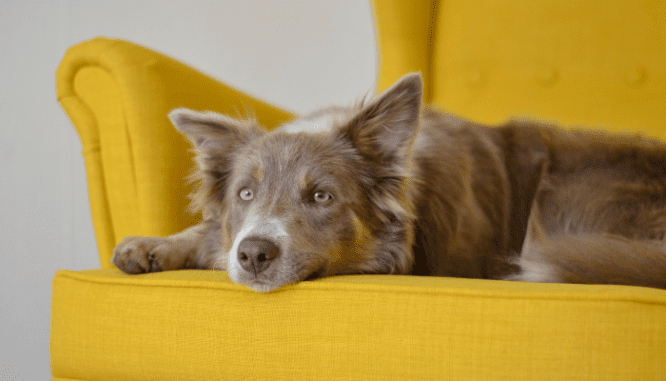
[(297, 54)]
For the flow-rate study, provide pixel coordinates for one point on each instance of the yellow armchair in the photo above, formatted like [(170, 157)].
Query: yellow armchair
[(586, 62)]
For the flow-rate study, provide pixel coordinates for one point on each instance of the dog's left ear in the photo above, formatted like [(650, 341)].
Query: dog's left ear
[(384, 129)]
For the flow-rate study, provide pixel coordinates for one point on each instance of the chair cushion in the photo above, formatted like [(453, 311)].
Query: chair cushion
[(198, 325)]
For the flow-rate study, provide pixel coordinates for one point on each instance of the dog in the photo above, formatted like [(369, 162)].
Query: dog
[(390, 187)]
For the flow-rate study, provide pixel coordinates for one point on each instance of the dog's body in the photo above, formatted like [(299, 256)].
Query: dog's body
[(385, 187)]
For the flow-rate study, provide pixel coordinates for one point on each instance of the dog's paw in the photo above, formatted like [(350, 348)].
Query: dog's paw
[(136, 255)]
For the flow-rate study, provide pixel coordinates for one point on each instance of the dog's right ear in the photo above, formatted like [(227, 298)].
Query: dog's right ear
[(212, 132), (216, 140)]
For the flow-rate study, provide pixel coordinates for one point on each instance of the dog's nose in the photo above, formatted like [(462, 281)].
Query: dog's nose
[(256, 254)]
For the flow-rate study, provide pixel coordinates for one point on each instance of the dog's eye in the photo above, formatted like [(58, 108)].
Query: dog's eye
[(322, 196), (246, 194)]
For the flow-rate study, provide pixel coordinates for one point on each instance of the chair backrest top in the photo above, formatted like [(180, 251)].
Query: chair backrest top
[(585, 62)]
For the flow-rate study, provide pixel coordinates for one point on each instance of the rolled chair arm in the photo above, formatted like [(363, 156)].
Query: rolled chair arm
[(117, 95)]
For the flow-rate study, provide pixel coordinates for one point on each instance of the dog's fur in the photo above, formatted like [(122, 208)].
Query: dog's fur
[(386, 187)]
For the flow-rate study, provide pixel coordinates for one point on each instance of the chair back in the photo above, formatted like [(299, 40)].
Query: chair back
[(578, 63)]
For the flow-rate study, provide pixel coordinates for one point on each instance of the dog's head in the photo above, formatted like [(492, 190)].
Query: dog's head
[(324, 195)]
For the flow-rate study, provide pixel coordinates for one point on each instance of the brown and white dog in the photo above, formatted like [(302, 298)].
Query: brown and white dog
[(386, 187)]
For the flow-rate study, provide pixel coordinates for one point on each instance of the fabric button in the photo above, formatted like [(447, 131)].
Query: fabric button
[(635, 76), (474, 77), (546, 76)]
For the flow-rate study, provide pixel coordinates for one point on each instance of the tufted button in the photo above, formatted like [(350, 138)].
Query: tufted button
[(546, 76), (634, 76), (474, 77)]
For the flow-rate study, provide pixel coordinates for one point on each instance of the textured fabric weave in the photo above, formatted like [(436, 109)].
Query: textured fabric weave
[(198, 325)]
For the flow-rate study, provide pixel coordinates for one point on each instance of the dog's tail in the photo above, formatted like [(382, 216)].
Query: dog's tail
[(594, 259)]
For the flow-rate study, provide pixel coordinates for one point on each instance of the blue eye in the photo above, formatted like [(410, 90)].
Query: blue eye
[(246, 194)]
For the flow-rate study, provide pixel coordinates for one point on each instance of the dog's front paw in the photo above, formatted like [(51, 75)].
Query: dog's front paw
[(136, 255)]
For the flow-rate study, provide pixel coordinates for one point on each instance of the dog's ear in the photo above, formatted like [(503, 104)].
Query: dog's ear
[(210, 131), (216, 140), (384, 129)]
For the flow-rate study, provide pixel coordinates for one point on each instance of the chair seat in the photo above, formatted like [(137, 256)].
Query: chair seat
[(198, 325)]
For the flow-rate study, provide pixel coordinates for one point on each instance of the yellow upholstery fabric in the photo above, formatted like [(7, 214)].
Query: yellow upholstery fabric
[(587, 63), (578, 62), (198, 325)]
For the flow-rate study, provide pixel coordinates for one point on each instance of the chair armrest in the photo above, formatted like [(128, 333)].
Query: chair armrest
[(117, 95)]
